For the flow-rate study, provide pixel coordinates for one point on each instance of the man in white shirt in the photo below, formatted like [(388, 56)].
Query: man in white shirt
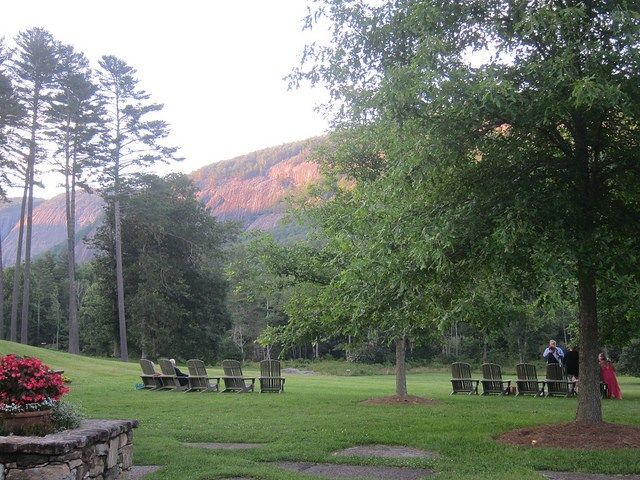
[(553, 353)]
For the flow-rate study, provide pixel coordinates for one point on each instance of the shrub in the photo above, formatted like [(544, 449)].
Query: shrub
[(66, 415), (630, 358), (26, 384), (229, 350)]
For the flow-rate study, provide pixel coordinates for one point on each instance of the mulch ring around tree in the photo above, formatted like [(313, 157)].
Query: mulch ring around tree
[(398, 400), (575, 436)]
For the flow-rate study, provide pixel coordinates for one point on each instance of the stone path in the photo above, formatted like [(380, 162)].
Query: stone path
[(585, 476), (385, 451), (138, 472), (223, 446), (330, 470)]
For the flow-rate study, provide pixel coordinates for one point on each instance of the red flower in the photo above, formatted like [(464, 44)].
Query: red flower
[(27, 381)]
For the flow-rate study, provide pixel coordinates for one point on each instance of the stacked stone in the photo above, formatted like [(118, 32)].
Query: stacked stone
[(99, 449)]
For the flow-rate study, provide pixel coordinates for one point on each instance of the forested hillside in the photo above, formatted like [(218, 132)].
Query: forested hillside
[(250, 188)]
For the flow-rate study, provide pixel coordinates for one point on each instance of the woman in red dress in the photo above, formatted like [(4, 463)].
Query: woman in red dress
[(608, 376)]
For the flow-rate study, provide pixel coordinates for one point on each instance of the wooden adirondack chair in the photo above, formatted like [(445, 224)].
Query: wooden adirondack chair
[(199, 380), (492, 380), (170, 380), (557, 383), (527, 382), (461, 380), (270, 377), (150, 378), (233, 379)]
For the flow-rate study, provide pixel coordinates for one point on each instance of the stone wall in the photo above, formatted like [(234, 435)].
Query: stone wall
[(99, 449)]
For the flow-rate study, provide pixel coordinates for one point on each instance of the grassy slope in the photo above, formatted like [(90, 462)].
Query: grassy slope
[(320, 414)]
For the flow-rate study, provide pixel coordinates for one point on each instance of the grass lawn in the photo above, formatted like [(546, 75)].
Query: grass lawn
[(321, 414)]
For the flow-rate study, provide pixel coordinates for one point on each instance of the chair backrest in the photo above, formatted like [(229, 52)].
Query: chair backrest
[(270, 368), (461, 378), (198, 379), (555, 372), (560, 386), (196, 368), (232, 368), (526, 371), (491, 371), (148, 368), (460, 370), (527, 379), (167, 367)]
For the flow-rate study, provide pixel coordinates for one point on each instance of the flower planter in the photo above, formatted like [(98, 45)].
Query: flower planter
[(25, 421)]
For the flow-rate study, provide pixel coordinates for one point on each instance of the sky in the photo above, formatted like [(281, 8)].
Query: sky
[(216, 65)]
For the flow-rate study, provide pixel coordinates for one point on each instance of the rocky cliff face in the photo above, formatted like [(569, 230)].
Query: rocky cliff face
[(49, 226), (250, 188)]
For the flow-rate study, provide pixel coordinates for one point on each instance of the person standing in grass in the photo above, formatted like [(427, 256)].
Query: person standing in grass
[(608, 376), (572, 363), (553, 353)]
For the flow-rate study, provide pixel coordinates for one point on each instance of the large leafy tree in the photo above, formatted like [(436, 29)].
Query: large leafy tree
[(518, 170), (173, 265), (256, 295), (377, 286), (132, 141)]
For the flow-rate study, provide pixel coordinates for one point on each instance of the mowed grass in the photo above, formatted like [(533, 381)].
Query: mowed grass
[(318, 415)]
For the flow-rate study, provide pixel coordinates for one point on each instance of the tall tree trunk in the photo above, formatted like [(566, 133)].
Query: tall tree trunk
[(589, 405), (122, 324), (26, 287), (24, 330), (15, 294), (74, 333), (401, 366), (485, 347), (520, 353)]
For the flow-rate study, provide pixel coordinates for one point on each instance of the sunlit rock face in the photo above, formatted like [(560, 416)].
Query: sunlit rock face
[(49, 229), (251, 189)]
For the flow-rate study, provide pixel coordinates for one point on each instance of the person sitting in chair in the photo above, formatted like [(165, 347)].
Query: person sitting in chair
[(182, 377)]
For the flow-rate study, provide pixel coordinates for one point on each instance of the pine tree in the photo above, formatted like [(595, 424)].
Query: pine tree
[(34, 68), (76, 114), (132, 140), (10, 114)]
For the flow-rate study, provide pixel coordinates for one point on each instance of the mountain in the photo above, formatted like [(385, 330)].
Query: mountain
[(250, 188), (49, 225)]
